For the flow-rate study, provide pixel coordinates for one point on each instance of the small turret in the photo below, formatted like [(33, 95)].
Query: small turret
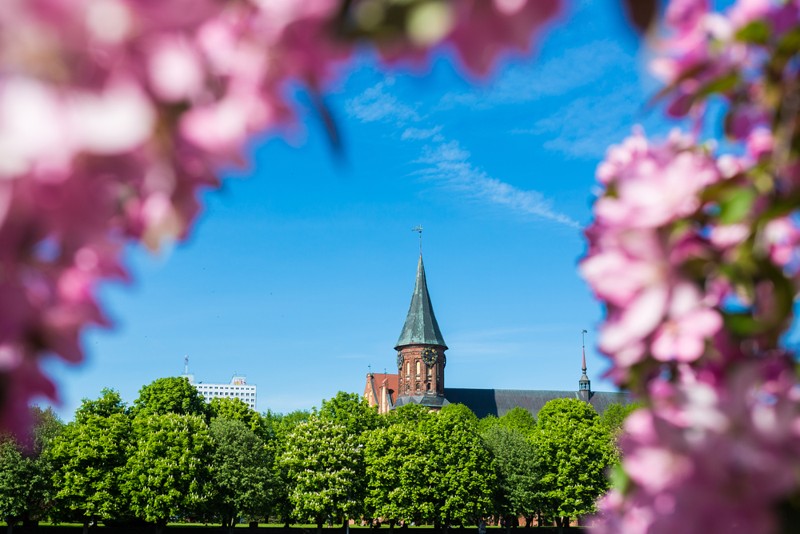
[(584, 384)]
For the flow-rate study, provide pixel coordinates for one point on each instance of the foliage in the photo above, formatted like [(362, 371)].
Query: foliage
[(170, 395), (109, 403), (325, 464), (517, 468), (460, 471), (14, 472), (241, 472), (281, 427), (352, 411), (26, 489), (167, 471), (574, 450), (410, 413), (236, 409), (91, 456), (520, 419), (613, 419), (395, 467)]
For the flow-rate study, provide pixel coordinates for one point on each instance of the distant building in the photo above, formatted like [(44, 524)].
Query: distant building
[(237, 388), (421, 363)]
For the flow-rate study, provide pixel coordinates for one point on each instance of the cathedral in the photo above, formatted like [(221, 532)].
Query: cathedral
[(421, 363)]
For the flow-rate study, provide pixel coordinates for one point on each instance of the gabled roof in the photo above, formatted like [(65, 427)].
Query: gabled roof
[(420, 327), (376, 380), (497, 402)]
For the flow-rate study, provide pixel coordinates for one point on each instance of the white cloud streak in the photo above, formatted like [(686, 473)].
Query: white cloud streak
[(377, 105), (445, 162), (448, 164), (577, 68)]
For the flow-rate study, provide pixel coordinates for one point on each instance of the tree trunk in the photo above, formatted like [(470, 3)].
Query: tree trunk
[(320, 521), (85, 525)]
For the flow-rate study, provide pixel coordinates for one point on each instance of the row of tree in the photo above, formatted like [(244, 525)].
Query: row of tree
[(171, 456)]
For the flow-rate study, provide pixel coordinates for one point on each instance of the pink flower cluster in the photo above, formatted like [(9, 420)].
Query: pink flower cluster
[(114, 114), (713, 454), (637, 255), (695, 257)]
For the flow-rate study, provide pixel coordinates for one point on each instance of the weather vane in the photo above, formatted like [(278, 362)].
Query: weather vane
[(418, 228), (583, 339)]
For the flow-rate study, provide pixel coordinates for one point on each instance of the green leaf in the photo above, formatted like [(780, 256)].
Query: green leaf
[(756, 32), (742, 324), (735, 205)]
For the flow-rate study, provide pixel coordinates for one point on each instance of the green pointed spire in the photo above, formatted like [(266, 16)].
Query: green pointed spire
[(421, 327)]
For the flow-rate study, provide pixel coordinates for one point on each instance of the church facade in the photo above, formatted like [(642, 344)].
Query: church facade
[(421, 363)]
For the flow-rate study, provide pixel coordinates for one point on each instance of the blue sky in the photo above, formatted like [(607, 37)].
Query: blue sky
[(300, 271)]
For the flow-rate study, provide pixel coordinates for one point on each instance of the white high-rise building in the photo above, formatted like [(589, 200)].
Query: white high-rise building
[(237, 388)]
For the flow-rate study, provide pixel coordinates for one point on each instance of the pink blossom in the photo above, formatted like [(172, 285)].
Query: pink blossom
[(719, 464), (690, 322), (655, 185), (485, 29), (782, 238)]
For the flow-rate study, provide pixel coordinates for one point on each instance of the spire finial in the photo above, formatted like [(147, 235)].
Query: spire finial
[(418, 228), (583, 346), (186, 364)]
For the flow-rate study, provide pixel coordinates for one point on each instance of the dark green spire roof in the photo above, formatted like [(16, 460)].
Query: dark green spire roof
[(421, 327)]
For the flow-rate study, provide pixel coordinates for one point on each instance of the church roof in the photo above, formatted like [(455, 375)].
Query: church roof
[(421, 327), (497, 402), (429, 401)]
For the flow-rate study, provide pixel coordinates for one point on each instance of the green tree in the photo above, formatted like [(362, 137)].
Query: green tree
[(14, 473), (518, 419), (168, 467), (574, 451), (91, 456), (241, 472), (352, 411), (170, 395), (41, 491), (517, 471), (236, 409), (26, 491), (460, 470), (395, 463), (280, 427), (430, 467), (107, 404), (324, 462), (613, 419)]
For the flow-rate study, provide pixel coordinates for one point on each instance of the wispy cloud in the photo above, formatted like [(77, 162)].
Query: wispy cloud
[(589, 125), (421, 134), (448, 164), (375, 104), (444, 161), (577, 68)]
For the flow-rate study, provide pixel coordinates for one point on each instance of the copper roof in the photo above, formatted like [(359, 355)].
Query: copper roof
[(420, 327)]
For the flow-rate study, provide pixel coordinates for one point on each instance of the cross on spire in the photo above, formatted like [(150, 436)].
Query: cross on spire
[(418, 228)]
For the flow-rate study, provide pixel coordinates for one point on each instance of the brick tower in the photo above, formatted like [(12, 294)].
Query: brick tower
[(420, 351)]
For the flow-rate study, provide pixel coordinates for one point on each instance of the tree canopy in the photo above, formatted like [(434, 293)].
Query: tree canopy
[(574, 450), (170, 395)]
